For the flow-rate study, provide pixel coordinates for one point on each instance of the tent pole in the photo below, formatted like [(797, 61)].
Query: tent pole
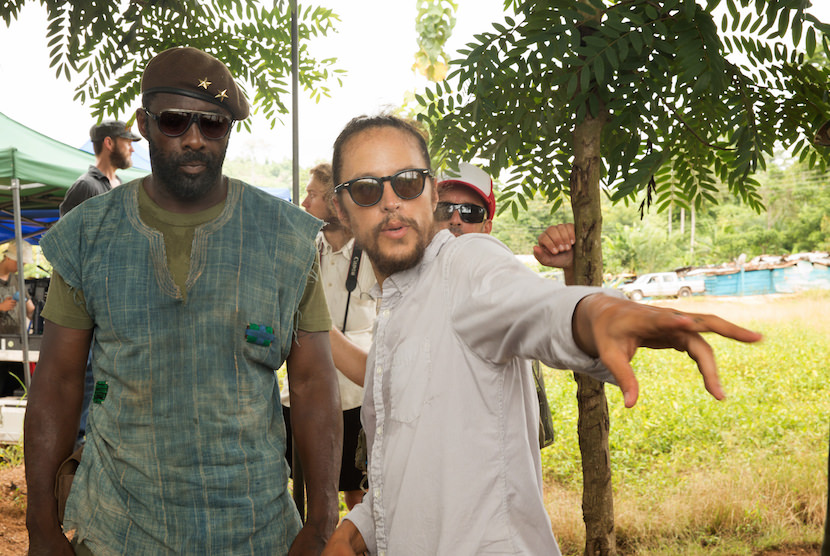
[(21, 282)]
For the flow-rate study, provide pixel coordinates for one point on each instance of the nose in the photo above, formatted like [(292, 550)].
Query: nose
[(455, 218), (390, 200), (304, 204), (193, 137)]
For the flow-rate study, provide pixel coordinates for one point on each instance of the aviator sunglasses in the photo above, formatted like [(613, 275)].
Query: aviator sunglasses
[(174, 123), (367, 191), (469, 213)]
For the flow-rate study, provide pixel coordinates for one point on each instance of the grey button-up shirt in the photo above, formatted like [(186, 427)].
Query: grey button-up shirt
[(451, 413)]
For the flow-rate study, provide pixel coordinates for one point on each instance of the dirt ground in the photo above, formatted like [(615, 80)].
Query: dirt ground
[(14, 540)]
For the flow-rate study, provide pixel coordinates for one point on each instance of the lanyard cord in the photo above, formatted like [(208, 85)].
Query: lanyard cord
[(351, 280)]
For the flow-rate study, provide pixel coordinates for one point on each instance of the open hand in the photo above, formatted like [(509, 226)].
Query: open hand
[(613, 329)]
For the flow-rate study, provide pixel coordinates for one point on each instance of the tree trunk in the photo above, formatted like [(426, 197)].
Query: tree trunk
[(593, 424)]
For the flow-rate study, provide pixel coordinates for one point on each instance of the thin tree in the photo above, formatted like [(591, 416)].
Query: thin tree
[(572, 95)]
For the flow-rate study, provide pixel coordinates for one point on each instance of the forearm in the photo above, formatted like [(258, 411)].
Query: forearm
[(317, 425), (349, 358), (318, 438), (586, 310), (52, 415), (51, 425)]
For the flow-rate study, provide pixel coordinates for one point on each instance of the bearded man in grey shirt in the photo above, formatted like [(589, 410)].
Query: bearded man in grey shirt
[(450, 410)]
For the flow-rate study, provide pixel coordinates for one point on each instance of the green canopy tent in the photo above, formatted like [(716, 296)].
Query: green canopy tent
[(35, 173), (43, 167)]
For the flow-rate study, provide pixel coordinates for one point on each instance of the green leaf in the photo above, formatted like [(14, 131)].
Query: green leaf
[(811, 42)]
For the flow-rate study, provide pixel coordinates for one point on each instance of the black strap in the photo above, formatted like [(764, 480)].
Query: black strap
[(351, 280)]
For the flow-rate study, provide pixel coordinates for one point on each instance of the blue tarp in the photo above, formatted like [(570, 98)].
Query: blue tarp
[(790, 279)]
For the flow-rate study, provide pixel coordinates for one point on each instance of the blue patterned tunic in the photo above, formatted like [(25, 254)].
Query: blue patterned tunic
[(187, 449)]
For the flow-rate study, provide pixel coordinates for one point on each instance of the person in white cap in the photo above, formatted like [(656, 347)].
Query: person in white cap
[(466, 203), (9, 312)]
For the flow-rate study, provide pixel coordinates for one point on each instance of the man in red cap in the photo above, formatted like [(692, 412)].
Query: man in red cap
[(192, 289), (466, 202)]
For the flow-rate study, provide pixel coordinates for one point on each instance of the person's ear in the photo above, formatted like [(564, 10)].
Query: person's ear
[(141, 122), (340, 212), (488, 226), (109, 143)]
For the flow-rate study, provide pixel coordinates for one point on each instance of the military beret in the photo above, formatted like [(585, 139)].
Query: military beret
[(190, 72)]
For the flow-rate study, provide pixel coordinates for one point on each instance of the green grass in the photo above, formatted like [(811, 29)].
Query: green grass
[(696, 476), (11, 455)]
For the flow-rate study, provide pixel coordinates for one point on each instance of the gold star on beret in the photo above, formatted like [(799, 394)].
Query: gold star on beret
[(193, 73)]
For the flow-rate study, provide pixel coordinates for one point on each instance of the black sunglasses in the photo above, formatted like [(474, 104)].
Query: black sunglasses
[(174, 123), (469, 213), (367, 191)]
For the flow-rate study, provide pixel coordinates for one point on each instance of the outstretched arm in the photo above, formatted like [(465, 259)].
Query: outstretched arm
[(612, 329)]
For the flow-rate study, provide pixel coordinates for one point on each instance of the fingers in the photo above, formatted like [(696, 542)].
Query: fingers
[(555, 245), (557, 239), (618, 363), (620, 327), (701, 353)]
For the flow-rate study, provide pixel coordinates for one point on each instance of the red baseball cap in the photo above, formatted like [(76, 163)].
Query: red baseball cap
[(471, 177)]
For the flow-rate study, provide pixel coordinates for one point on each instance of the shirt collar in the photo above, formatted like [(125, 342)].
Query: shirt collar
[(326, 248)]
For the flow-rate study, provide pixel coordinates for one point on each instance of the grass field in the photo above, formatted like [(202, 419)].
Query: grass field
[(696, 476), (692, 476)]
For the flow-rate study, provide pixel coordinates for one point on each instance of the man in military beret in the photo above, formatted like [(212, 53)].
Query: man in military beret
[(192, 289)]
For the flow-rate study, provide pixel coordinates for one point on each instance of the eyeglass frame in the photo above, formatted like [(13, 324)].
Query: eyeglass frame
[(194, 116), (424, 172), (454, 207)]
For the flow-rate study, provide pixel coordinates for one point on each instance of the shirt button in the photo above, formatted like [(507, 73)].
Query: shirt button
[(379, 370), (380, 430)]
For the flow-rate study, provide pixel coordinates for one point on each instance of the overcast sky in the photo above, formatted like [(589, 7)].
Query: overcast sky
[(375, 44)]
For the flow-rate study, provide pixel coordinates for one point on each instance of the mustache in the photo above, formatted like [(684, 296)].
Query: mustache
[(193, 156), (402, 219)]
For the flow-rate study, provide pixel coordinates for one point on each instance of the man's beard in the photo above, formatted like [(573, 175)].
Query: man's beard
[(181, 185), (388, 266), (118, 160)]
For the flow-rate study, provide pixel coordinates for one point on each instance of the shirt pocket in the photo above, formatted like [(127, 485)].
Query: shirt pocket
[(409, 380)]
